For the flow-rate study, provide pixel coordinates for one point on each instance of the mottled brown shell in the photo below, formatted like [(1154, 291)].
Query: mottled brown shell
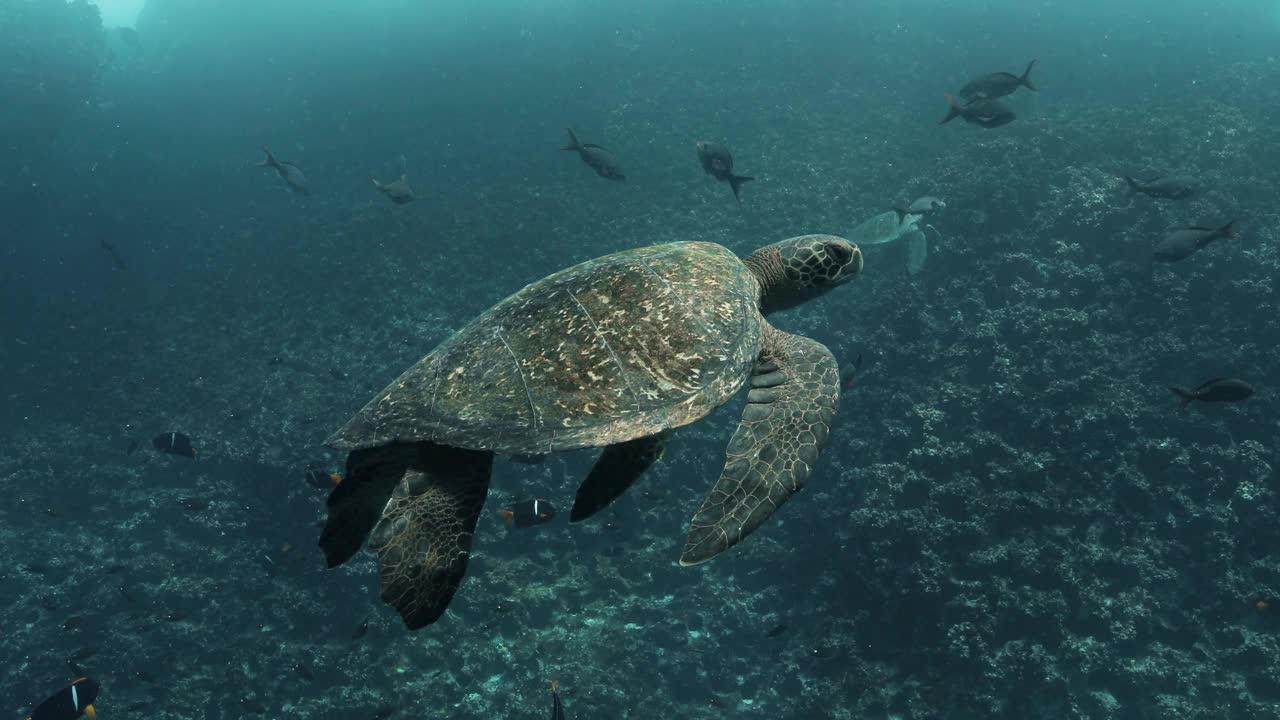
[(614, 349)]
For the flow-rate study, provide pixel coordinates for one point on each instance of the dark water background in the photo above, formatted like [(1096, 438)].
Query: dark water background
[(1012, 520)]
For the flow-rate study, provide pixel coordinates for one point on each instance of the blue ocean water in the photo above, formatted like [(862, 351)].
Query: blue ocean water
[(1012, 518)]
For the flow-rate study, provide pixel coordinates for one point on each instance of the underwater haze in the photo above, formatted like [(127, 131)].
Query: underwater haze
[(1013, 517)]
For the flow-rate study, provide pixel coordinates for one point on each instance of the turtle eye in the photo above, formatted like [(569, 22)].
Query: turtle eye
[(840, 252)]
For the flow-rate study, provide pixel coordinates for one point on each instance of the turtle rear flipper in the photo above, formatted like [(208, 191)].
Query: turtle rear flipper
[(795, 389), (356, 504), (618, 467), (424, 538)]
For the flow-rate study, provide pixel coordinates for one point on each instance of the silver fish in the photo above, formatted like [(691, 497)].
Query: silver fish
[(596, 157), (292, 176), (923, 206), (1168, 187), (1184, 242), (398, 190), (997, 84)]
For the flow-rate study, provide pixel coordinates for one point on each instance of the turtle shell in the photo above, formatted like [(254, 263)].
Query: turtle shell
[(610, 350)]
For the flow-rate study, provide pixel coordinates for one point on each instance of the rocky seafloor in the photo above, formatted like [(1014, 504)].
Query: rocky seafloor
[(1013, 519)]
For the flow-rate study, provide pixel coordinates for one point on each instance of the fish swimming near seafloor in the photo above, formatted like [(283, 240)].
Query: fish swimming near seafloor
[(924, 206), (718, 163), (1215, 390), (292, 175), (598, 158), (557, 710), (528, 513), (1165, 187), (174, 443), (321, 480), (986, 112), (998, 84), (849, 373), (70, 702), (398, 190), (1184, 242)]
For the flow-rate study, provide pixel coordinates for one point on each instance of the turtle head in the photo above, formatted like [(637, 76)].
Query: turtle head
[(801, 268)]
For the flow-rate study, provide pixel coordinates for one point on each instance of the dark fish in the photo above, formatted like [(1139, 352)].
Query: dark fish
[(384, 711), (72, 622), (174, 443), (997, 84), (718, 163), (597, 157), (35, 568), (849, 373), (987, 113), (557, 710), (304, 671), (194, 504), (133, 447), (322, 480), (528, 513), (1216, 390), (252, 706), (1166, 187), (776, 630), (111, 252), (398, 190), (529, 459), (70, 702), (289, 172), (361, 630), (83, 653), (1184, 242), (175, 616)]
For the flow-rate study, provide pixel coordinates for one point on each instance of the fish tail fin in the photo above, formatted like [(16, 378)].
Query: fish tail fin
[(1183, 395), (737, 181), (553, 683), (1131, 186), (90, 712), (269, 160), (1026, 77), (508, 517), (573, 141), (902, 213), (1228, 230), (376, 183), (953, 110)]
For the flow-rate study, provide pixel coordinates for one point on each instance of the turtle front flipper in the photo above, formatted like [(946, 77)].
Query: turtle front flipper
[(424, 538), (618, 467), (795, 389)]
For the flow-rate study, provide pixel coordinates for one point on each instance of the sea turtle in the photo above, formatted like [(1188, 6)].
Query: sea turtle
[(614, 353), (905, 224)]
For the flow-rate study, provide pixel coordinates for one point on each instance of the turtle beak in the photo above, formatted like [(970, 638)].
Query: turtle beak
[(855, 264)]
